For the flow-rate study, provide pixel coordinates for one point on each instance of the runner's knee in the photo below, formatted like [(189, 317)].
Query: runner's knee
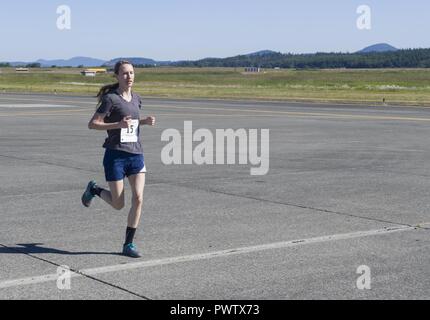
[(137, 199), (118, 204)]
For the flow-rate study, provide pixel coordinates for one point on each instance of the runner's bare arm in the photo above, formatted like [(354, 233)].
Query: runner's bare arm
[(97, 123)]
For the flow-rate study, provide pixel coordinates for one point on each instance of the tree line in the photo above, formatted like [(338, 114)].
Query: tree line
[(408, 58), (28, 65)]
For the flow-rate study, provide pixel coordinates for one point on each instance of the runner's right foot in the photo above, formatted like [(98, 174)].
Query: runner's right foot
[(88, 196), (130, 250)]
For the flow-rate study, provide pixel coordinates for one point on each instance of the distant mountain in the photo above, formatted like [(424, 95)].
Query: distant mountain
[(73, 62), (89, 62), (138, 61), (380, 47)]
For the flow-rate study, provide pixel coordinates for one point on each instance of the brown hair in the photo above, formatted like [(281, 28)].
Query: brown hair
[(112, 87)]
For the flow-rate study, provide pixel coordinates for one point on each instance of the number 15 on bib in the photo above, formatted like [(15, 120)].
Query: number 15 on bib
[(130, 134)]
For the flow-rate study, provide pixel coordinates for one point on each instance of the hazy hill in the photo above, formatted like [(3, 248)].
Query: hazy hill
[(137, 61), (73, 62), (380, 47)]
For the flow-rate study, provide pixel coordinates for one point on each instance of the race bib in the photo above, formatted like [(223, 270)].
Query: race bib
[(130, 134)]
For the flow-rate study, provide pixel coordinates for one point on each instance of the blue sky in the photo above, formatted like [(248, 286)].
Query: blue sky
[(195, 29)]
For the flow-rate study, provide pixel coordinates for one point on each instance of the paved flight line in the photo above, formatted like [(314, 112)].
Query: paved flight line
[(51, 113), (302, 114), (227, 102), (210, 255), (271, 113), (266, 113)]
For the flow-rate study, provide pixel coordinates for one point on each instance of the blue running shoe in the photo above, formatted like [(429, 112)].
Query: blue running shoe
[(87, 197), (130, 250)]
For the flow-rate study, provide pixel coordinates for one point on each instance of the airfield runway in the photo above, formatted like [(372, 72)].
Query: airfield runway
[(348, 186)]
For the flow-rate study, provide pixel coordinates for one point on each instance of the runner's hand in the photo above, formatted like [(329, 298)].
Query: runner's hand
[(150, 121), (125, 123)]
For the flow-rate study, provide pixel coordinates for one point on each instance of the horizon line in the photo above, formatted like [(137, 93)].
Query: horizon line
[(178, 60)]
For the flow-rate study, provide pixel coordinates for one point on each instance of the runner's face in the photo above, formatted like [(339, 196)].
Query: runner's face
[(126, 76)]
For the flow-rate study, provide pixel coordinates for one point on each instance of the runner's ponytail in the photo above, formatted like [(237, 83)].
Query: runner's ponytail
[(106, 89)]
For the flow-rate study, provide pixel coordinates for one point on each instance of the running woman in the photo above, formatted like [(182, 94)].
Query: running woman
[(118, 113)]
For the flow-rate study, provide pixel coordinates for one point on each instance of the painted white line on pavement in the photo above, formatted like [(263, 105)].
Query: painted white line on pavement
[(206, 256)]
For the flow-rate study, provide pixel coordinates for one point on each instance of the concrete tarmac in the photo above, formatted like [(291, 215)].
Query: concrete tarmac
[(348, 186)]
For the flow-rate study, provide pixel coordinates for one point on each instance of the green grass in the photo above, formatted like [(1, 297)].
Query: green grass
[(397, 86)]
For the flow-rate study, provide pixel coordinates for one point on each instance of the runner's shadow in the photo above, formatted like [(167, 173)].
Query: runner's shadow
[(37, 248)]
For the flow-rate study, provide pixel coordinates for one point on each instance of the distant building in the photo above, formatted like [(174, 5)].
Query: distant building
[(98, 70), (22, 70), (252, 69), (93, 72), (89, 73)]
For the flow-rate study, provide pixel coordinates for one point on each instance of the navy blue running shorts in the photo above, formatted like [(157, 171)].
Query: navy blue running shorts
[(119, 164)]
